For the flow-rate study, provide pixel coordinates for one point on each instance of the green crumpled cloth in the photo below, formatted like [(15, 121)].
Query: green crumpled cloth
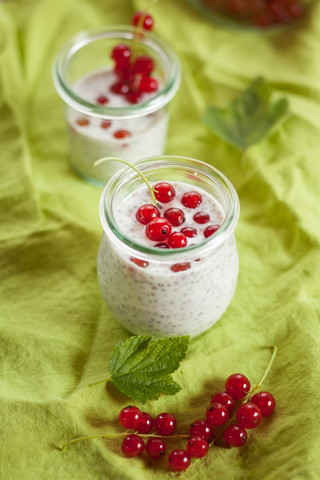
[(56, 334)]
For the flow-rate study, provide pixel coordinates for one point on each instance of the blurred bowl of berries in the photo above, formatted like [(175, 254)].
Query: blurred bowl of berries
[(254, 14), (116, 83)]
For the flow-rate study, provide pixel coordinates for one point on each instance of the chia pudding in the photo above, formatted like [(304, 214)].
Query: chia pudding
[(103, 118), (92, 137), (146, 286)]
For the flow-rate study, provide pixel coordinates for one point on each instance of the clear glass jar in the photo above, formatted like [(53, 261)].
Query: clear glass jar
[(82, 73), (147, 296), (254, 14)]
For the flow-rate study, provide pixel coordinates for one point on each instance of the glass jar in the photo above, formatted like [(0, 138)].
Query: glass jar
[(168, 292), (254, 14), (83, 74)]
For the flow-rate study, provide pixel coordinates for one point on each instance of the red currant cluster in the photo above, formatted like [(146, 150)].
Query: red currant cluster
[(134, 73), (159, 229), (261, 13), (220, 412)]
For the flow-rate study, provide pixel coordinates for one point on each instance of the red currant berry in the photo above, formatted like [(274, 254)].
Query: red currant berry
[(225, 399), (144, 65), (197, 447), (175, 216), (102, 100), (165, 424), (122, 134), (146, 423), (123, 72), (82, 122), (203, 429), (210, 230), (201, 217), (139, 262), (156, 447), (161, 245), (179, 460), (121, 54), (146, 213), (148, 84), (129, 417), (237, 385), (189, 232), (158, 229), (177, 240), (132, 445), (105, 124), (217, 414), (249, 415), (191, 199), (120, 88), (164, 192), (133, 97), (265, 402), (235, 436), (180, 267), (146, 23)]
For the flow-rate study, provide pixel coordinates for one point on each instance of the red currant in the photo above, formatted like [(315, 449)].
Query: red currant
[(148, 84), (180, 267), (146, 213), (175, 216), (164, 192), (146, 423), (265, 402), (189, 232), (197, 447), (225, 399), (132, 445), (146, 23), (237, 385), (165, 424), (235, 436), (130, 416), (139, 262), (179, 460), (83, 122), (177, 240), (102, 100), (191, 199), (203, 429), (105, 124), (122, 134), (210, 230), (120, 88), (249, 415), (201, 217), (217, 414), (156, 447), (158, 229), (133, 97), (123, 71), (161, 245), (121, 54), (144, 65)]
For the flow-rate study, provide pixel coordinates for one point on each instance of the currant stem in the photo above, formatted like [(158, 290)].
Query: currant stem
[(117, 435), (258, 386), (100, 381), (144, 178)]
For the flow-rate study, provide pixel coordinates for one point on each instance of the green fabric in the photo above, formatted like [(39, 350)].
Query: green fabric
[(56, 334)]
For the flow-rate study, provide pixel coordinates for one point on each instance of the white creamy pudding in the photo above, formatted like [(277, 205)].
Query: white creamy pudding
[(94, 137), (171, 291)]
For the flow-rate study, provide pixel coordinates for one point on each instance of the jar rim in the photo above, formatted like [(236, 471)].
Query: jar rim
[(81, 39), (225, 230)]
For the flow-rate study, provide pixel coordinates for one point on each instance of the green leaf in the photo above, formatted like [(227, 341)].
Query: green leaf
[(249, 117), (140, 367)]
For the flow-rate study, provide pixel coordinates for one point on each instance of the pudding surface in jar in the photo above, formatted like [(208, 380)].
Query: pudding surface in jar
[(161, 295)]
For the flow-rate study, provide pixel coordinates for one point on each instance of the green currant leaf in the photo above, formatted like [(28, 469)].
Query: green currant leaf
[(140, 367), (249, 117)]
